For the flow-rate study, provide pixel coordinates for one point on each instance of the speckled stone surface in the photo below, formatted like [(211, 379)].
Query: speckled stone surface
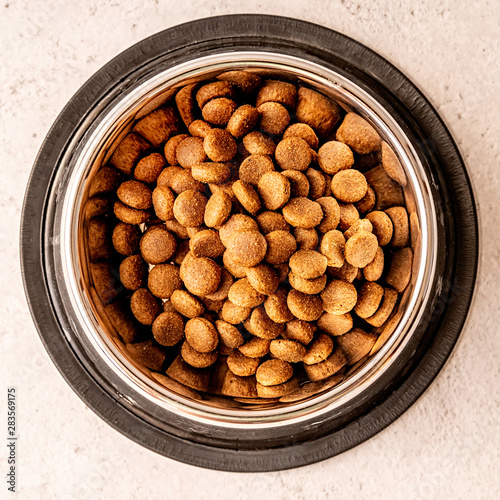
[(446, 446)]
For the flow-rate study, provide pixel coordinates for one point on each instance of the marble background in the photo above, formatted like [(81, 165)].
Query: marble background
[(446, 446)]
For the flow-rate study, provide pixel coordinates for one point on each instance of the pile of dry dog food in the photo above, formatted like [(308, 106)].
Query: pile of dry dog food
[(249, 236)]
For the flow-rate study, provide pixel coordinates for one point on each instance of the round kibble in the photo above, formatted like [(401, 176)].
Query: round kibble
[(335, 324), (319, 350), (274, 118), (163, 279), (126, 238), (157, 245), (332, 247), (133, 272), (303, 306), (217, 209), (356, 344), (287, 350), (201, 276), (183, 181), (293, 153), (213, 173), (237, 222), (339, 297), (255, 347), (163, 202), (369, 298), (302, 212), (199, 128), (373, 271), (166, 176), (135, 194), (401, 231), (212, 91), (316, 110), (190, 152), (201, 335), (299, 330), (189, 208), (187, 305), (271, 221), (299, 183), (399, 273), (233, 314), (335, 156), (144, 306), (280, 246), (348, 215), (243, 294), (226, 280), (242, 121), (219, 145), (206, 243), (382, 226), (242, 365), (307, 239), (219, 111), (236, 270), (130, 215), (360, 248), (392, 165), (346, 272), (256, 143), (106, 180), (274, 189), (309, 286), (262, 278), (254, 167), (229, 335), (385, 309), (317, 183), (308, 264), (197, 359), (168, 328), (247, 196), (331, 212), (303, 131), (367, 202), (276, 307), (349, 186), (177, 228), (358, 134), (263, 326), (149, 168), (359, 225), (279, 390), (327, 368), (274, 372), (171, 148), (247, 247), (277, 91)]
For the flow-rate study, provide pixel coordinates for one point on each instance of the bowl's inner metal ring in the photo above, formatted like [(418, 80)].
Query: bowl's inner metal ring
[(95, 137)]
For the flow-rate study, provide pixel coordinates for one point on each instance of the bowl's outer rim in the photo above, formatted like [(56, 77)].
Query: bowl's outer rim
[(315, 38)]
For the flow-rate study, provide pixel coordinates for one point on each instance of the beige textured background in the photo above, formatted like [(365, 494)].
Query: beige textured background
[(446, 446)]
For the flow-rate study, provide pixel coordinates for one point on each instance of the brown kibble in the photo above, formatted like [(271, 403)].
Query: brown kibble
[(168, 328), (331, 211), (367, 202), (388, 192), (214, 173), (263, 279), (287, 350), (382, 226), (145, 307), (359, 225), (163, 279), (147, 354), (212, 305), (157, 245), (317, 111), (339, 297), (235, 269), (128, 153), (349, 186), (369, 297), (282, 270), (300, 331), (243, 294), (348, 215), (167, 175), (242, 365), (194, 378), (277, 91), (385, 309), (133, 272), (401, 230), (219, 145), (242, 121), (163, 203), (263, 326), (201, 335), (239, 387), (303, 212), (184, 99), (197, 359), (280, 246), (101, 204), (293, 153), (158, 126), (307, 239), (177, 228), (226, 280), (206, 243), (234, 314), (392, 165), (274, 372), (274, 190), (184, 181), (190, 152), (213, 91), (327, 368), (245, 80), (175, 386), (122, 320), (299, 183), (303, 131), (399, 273), (335, 156), (308, 264), (130, 215), (332, 247), (217, 209), (309, 286), (149, 168), (100, 245), (317, 183), (303, 306), (279, 390), (356, 344), (189, 208), (255, 347), (219, 111), (201, 276), (335, 324), (360, 248), (105, 279), (229, 335), (135, 194), (170, 149), (319, 350), (256, 143), (254, 167), (373, 271), (346, 272), (185, 304), (276, 307), (199, 128), (247, 247), (106, 180), (274, 118), (271, 221), (247, 196), (358, 134)]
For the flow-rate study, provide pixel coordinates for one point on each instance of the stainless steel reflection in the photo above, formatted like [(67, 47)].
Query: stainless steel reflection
[(93, 144)]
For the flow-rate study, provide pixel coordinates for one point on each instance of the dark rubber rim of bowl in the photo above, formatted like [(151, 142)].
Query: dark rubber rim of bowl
[(457, 254)]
